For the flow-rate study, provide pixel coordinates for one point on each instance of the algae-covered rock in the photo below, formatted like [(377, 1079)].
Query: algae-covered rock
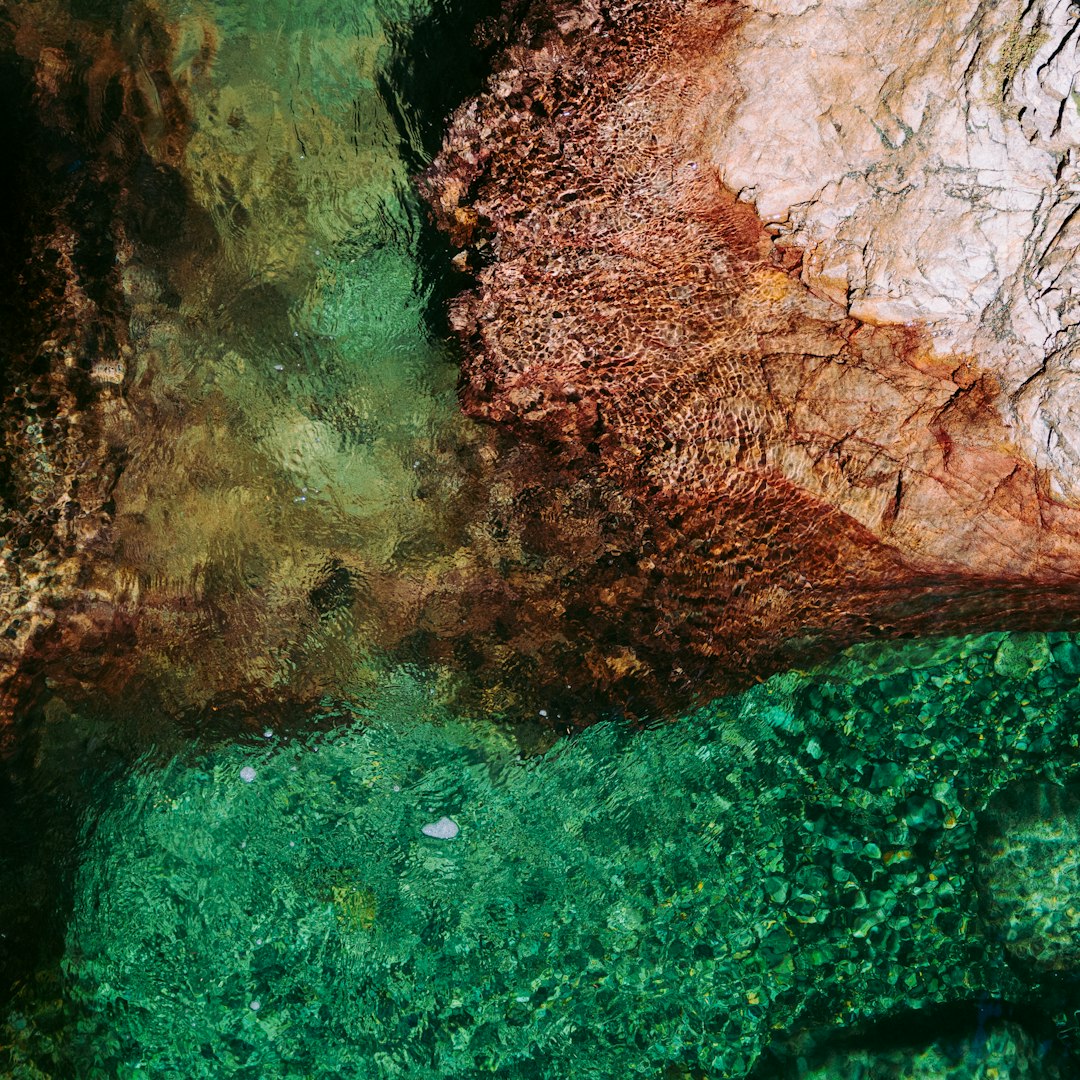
[(1029, 873)]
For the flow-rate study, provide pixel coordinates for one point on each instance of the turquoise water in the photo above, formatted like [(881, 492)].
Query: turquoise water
[(713, 895), (628, 902)]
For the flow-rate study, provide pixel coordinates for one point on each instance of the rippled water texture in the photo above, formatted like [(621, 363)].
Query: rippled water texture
[(271, 600), (323, 402), (278, 422), (626, 903)]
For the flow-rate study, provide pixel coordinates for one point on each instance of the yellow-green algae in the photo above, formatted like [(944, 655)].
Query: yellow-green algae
[(797, 857)]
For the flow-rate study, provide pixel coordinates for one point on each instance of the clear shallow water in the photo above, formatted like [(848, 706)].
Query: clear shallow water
[(798, 857), (685, 900), (294, 439)]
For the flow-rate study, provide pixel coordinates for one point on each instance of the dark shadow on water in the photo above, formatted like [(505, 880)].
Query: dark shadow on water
[(439, 63), (61, 768), (958, 1028)]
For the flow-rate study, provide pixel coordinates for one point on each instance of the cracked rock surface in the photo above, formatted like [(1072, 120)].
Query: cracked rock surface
[(924, 160)]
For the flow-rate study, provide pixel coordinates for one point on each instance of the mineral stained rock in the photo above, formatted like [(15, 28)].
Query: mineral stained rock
[(794, 280), (925, 164)]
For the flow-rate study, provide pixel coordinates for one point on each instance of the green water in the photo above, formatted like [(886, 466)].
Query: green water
[(686, 900), (295, 428), (626, 903)]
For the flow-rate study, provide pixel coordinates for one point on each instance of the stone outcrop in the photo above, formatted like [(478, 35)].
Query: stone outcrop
[(924, 162), (817, 458)]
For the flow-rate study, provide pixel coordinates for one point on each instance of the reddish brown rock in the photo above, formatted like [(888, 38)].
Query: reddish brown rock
[(97, 122), (786, 478)]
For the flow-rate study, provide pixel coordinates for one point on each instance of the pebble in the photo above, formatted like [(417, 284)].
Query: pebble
[(443, 829)]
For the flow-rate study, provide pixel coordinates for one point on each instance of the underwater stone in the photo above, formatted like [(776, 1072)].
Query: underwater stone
[(1028, 861), (711, 875), (443, 829), (86, 190)]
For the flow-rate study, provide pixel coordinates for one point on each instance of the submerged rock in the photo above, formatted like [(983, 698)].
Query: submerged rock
[(1029, 874), (443, 829), (676, 900), (98, 118), (227, 437)]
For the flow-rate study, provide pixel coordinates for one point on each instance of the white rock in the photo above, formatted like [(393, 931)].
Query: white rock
[(443, 829), (926, 158)]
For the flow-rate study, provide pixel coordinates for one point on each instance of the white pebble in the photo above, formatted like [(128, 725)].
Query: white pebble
[(255, 1006), (443, 829), (247, 774)]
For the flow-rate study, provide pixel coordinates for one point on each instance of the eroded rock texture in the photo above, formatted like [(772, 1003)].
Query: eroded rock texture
[(96, 120), (925, 161), (805, 462)]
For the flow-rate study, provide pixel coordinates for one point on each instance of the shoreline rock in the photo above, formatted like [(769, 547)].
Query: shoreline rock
[(815, 478)]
